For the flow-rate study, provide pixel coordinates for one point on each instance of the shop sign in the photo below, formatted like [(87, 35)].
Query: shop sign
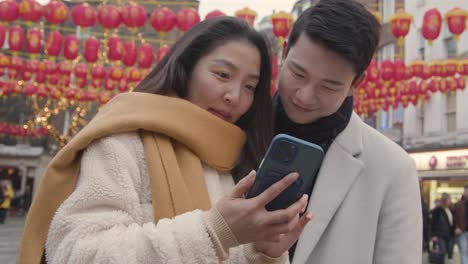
[(441, 160)]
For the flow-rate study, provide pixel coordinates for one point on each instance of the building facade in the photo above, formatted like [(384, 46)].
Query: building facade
[(435, 132)]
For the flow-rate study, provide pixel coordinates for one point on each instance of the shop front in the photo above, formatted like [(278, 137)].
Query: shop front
[(444, 171)]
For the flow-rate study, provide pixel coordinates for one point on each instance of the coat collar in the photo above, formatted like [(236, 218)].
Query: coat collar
[(340, 169)]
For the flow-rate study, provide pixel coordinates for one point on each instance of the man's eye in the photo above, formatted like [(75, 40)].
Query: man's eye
[(298, 75)]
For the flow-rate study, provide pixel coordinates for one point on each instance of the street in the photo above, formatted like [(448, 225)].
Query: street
[(10, 235)]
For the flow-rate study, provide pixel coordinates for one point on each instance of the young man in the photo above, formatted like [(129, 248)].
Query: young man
[(366, 198)]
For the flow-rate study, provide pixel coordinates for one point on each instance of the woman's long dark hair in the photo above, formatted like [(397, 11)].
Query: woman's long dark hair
[(173, 73)]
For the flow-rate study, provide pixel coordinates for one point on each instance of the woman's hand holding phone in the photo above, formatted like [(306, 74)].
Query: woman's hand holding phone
[(272, 231)]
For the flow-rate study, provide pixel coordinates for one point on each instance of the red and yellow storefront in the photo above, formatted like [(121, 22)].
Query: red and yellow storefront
[(442, 171)]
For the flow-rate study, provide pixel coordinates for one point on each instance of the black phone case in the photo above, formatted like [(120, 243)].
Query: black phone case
[(306, 162)]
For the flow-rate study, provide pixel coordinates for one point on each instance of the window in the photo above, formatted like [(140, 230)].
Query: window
[(451, 112), (387, 52), (420, 114), (450, 47), (387, 8), (421, 47)]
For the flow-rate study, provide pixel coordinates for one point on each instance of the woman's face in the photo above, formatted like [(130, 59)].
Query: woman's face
[(223, 82)]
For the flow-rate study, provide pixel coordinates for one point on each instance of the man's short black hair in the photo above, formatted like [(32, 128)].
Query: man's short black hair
[(343, 26)]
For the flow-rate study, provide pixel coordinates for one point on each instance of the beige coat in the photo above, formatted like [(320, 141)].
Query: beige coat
[(366, 203)]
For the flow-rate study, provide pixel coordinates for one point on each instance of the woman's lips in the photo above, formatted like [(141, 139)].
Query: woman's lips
[(221, 114)]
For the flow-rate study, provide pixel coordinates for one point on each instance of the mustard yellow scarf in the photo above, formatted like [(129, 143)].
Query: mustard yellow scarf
[(176, 134)]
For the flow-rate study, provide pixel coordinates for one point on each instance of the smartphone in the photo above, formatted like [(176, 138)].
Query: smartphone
[(287, 154)]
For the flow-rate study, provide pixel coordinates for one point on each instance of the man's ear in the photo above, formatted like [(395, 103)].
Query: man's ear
[(357, 83)]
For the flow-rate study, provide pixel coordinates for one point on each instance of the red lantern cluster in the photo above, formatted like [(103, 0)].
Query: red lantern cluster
[(394, 83), (15, 130)]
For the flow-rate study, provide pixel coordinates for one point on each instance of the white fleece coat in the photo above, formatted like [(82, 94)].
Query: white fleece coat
[(109, 216)]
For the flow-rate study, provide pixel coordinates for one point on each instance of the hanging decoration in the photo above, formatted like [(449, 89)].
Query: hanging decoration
[(400, 24), (282, 23), (247, 15), (456, 20), (432, 23)]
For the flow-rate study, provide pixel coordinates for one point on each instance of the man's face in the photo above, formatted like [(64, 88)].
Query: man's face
[(314, 81)]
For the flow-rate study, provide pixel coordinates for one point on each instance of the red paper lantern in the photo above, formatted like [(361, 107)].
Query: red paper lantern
[(52, 79), (30, 89), (281, 22), (71, 47), (80, 71), (214, 13), (84, 15), (426, 72), (187, 18), (98, 72), (91, 52), (54, 43), (162, 51), (145, 56), (8, 10), (115, 48), (373, 73), (134, 16), (103, 97), (30, 10), (16, 65), (463, 67), (50, 67), (109, 16), (123, 85), (451, 67), (451, 85), (163, 20), (134, 75), (418, 68), (2, 34), (109, 84), (400, 69), (129, 54), (437, 68), (31, 66), (432, 23), (408, 73), (64, 68), (456, 21), (387, 70), (70, 94), (116, 73), (34, 41), (247, 15), (461, 83), (56, 12), (400, 23), (16, 38), (443, 87)]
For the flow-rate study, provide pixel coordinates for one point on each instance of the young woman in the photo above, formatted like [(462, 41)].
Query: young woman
[(137, 184)]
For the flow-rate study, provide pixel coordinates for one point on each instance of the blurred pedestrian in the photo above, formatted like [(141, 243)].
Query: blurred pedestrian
[(8, 194), (442, 229), (461, 225)]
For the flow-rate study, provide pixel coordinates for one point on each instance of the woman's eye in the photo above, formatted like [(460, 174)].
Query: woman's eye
[(223, 75), (250, 87)]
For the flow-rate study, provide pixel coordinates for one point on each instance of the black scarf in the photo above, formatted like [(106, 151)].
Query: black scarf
[(321, 132)]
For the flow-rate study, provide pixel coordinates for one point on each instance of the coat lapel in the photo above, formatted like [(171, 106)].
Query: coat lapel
[(339, 170)]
